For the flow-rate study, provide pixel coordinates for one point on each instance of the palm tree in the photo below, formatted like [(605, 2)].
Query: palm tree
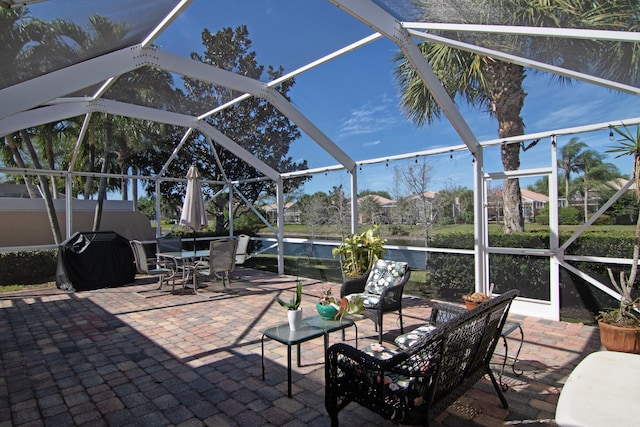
[(596, 175), (497, 85), (568, 161), (23, 37)]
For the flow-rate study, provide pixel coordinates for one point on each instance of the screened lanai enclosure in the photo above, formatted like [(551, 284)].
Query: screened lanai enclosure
[(174, 83)]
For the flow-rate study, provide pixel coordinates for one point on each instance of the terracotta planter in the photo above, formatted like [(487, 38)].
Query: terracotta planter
[(471, 304), (617, 338)]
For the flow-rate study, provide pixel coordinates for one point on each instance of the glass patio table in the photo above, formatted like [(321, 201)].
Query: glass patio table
[(310, 328), (188, 261)]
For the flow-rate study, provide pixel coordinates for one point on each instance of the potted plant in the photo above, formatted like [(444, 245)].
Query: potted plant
[(351, 304), (294, 311), (327, 305), (359, 251), (331, 308), (471, 301), (620, 327)]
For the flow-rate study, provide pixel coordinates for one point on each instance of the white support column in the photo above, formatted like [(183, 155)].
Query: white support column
[(280, 212), (481, 253), (554, 236), (158, 213), (68, 183), (354, 199), (230, 187)]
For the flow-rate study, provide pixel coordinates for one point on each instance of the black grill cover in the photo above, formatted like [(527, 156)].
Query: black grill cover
[(94, 260)]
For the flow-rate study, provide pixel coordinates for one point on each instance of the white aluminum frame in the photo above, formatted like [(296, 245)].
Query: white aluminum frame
[(42, 100)]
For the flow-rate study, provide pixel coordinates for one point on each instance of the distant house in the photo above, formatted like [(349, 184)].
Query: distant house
[(383, 215), (418, 211), (618, 183), (532, 203), (291, 213)]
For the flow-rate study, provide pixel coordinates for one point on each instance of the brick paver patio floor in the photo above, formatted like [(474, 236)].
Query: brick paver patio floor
[(134, 356)]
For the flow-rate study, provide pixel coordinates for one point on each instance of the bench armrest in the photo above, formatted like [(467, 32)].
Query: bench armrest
[(443, 312)]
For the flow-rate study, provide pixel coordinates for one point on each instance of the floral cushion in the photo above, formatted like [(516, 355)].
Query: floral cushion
[(402, 393), (405, 341), (380, 351), (368, 300), (384, 273)]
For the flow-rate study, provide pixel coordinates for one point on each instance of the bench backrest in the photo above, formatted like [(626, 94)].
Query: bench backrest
[(462, 349)]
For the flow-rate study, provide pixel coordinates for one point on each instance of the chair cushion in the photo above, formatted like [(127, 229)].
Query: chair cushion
[(385, 273), (368, 300), (380, 351), (402, 393), (405, 341)]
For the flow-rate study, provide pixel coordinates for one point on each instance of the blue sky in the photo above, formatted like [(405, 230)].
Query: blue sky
[(354, 99)]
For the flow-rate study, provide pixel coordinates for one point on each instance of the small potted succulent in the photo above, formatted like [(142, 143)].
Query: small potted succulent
[(294, 311), (327, 305), (331, 308)]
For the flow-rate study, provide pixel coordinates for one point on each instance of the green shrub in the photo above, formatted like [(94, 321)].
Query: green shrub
[(567, 215), (398, 230), (28, 267)]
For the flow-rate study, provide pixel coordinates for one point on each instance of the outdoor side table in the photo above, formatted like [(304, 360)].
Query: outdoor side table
[(313, 327), (601, 391), (507, 330)]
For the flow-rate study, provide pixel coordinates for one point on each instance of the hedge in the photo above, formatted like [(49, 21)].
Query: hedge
[(453, 274), (28, 267)]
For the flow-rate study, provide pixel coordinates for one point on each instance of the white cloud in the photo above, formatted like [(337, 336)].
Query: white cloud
[(370, 118), (372, 143)]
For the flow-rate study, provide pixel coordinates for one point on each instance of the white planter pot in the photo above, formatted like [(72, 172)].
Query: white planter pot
[(295, 318)]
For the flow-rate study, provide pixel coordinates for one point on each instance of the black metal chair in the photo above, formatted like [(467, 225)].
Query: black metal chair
[(381, 289)]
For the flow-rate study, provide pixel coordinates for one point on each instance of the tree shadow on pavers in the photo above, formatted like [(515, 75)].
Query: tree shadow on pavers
[(68, 361)]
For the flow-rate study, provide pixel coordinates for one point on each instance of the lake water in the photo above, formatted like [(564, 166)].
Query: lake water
[(415, 259)]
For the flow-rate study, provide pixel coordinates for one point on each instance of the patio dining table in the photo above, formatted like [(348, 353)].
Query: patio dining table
[(188, 261)]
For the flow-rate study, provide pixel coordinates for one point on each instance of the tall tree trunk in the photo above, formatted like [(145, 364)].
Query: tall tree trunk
[(18, 159), (48, 150), (88, 183), (507, 98), (102, 188), (44, 187)]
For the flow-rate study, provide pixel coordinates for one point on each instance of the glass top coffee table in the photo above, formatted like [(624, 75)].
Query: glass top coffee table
[(310, 328)]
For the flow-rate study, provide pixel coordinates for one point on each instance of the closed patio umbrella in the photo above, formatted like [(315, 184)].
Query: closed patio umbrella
[(194, 214)]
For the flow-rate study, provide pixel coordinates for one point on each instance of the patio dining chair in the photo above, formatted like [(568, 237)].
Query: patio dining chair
[(222, 259), (170, 244), (144, 265), (241, 250)]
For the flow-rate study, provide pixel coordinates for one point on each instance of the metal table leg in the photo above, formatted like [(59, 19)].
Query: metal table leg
[(505, 333), (289, 367)]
